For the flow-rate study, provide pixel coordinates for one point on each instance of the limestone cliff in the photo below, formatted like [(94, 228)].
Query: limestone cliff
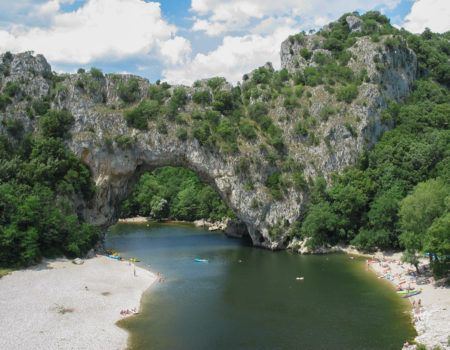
[(117, 154)]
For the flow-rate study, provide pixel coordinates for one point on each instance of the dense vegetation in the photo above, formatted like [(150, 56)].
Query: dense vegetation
[(176, 194), (40, 180), (398, 196)]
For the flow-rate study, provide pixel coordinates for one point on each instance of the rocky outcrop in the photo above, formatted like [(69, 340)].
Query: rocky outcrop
[(116, 166)]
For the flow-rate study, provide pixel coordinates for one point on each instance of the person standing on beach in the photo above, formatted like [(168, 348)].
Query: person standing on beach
[(134, 270)]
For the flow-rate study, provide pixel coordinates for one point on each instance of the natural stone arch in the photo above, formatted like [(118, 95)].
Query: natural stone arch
[(115, 171)]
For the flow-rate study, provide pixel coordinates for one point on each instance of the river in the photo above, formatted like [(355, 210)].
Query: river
[(249, 298)]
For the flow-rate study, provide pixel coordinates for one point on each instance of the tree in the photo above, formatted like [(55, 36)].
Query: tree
[(417, 213), (320, 224)]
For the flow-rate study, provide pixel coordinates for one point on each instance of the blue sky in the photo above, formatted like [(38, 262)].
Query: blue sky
[(184, 40)]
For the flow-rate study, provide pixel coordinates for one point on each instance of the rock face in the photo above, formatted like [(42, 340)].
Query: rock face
[(99, 121)]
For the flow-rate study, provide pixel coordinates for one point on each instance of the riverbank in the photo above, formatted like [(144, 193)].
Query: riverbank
[(60, 305), (430, 310)]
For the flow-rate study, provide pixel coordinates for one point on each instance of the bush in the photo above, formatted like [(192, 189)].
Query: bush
[(223, 101), (347, 93), (182, 134), (40, 107), (96, 73), (56, 123), (139, 116), (12, 89), (300, 183), (301, 129), (202, 97), (305, 53), (158, 92), (14, 127), (4, 102), (216, 82), (124, 142), (201, 132), (129, 91), (273, 182), (247, 130)]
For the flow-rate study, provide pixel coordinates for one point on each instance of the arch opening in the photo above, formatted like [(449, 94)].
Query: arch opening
[(177, 193)]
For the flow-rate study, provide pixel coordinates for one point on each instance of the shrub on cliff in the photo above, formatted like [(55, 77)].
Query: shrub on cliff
[(129, 91), (56, 123)]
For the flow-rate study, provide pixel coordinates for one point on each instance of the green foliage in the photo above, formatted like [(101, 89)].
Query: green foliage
[(174, 193), (424, 219), (96, 73), (305, 53), (40, 107), (56, 123), (273, 183), (124, 142), (12, 89), (139, 116), (4, 102), (223, 101), (347, 93), (300, 183), (202, 97), (216, 82), (129, 91), (201, 131), (182, 134), (262, 75), (247, 129), (14, 127), (158, 92), (37, 187)]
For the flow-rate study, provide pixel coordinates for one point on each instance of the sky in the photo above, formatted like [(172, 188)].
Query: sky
[(181, 41)]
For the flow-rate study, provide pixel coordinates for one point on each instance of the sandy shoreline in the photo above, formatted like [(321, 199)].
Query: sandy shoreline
[(432, 317), (60, 305)]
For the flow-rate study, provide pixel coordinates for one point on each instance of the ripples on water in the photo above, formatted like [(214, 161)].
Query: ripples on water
[(249, 298)]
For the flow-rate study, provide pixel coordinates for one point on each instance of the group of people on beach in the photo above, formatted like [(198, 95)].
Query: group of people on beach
[(127, 312)]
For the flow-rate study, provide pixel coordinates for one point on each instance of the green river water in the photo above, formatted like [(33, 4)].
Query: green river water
[(249, 298)]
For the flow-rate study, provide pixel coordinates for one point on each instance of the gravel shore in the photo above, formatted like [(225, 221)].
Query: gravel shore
[(60, 305)]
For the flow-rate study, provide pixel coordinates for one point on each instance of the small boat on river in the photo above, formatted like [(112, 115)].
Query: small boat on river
[(201, 260)]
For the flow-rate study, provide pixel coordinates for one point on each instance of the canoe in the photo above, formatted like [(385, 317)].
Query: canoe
[(412, 293), (401, 292), (201, 260)]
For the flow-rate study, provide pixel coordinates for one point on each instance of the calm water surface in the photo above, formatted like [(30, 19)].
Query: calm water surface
[(248, 298)]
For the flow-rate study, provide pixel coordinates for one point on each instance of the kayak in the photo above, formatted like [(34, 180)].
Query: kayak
[(201, 260), (134, 260), (116, 257)]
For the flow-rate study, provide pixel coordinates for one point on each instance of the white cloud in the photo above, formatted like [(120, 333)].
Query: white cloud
[(99, 30), (176, 50), (211, 28), (434, 14), (218, 16), (234, 57)]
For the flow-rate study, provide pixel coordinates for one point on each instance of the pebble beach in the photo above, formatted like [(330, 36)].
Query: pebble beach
[(60, 305)]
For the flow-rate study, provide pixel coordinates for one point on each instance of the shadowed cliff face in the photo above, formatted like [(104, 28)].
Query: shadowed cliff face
[(117, 154)]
